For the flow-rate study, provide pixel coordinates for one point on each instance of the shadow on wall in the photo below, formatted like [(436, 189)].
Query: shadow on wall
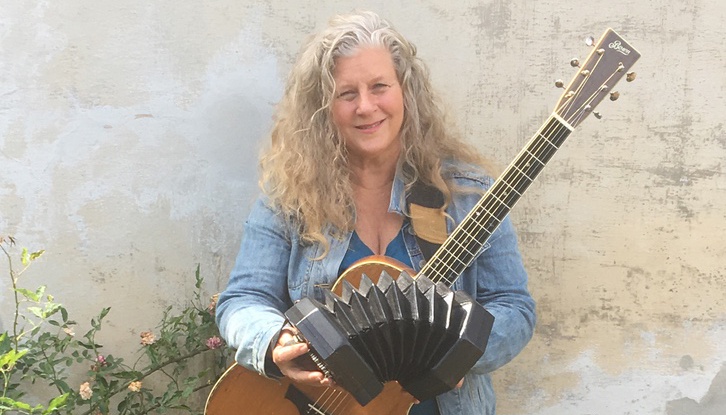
[(713, 403)]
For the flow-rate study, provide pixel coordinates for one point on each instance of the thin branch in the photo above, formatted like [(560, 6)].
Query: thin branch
[(150, 371), (158, 405)]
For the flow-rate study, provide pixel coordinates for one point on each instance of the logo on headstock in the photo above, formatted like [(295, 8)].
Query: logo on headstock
[(617, 46)]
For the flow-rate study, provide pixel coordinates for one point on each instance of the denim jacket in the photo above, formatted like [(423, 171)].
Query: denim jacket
[(274, 269)]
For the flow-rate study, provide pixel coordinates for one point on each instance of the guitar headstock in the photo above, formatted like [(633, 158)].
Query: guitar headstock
[(610, 59)]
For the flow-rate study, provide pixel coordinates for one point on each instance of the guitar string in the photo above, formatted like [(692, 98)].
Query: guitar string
[(456, 254), (472, 217), (326, 403), (529, 154), (345, 402), (532, 157), (603, 88), (496, 188), (488, 205), (582, 111), (568, 103)]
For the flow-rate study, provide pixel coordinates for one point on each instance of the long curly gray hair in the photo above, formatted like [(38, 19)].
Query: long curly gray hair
[(304, 172)]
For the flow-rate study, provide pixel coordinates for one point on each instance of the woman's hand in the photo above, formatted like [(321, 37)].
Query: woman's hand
[(289, 355)]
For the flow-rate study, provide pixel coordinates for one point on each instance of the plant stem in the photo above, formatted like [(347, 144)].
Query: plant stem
[(54, 373), (14, 280), (156, 406), (152, 370)]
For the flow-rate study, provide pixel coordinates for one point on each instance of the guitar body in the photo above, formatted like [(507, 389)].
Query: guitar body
[(242, 391)]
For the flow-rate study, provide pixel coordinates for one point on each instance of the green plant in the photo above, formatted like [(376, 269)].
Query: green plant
[(41, 352)]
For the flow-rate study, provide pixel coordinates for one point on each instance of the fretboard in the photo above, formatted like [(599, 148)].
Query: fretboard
[(468, 238)]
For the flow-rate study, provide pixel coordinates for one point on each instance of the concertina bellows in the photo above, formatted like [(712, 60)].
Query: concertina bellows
[(411, 330)]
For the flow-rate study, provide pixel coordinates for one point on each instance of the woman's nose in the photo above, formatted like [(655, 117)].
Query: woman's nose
[(366, 103)]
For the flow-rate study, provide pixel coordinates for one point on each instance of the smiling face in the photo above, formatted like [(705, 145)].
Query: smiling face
[(368, 104)]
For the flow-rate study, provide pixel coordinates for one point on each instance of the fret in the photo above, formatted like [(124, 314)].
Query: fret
[(513, 180), (508, 197), (467, 233), (437, 266), (544, 153), (497, 210), (523, 173), (453, 251), (461, 248), (534, 156), (548, 141), (467, 239), (478, 229), (529, 165), (500, 200)]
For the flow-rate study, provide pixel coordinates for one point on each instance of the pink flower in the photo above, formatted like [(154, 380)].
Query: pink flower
[(214, 342), (100, 362), (135, 386), (147, 338), (85, 391)]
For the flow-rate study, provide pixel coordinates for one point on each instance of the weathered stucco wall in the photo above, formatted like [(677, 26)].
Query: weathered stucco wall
[(129, 133)]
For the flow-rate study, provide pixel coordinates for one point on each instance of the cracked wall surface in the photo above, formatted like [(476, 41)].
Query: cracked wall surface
[(128, 141)]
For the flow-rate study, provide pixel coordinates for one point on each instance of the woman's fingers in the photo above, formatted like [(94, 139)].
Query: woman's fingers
[(284, 355)]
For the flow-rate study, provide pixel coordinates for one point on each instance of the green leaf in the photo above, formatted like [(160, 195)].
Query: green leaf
[(57, 403), (37, 311), (104, 312), (199, 279), (28, 294), (7, 403), (51, 309), (63, 386), (11, 357)]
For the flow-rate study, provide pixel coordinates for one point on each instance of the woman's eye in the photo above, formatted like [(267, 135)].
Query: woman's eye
[(380, 87), (347, 95)]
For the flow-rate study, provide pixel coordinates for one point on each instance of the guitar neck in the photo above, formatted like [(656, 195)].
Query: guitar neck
[(468, 238)]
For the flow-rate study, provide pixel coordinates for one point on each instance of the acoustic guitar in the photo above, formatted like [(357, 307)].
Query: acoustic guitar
[(241, 391)]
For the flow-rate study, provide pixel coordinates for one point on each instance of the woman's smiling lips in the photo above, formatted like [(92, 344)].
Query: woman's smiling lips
[(368, 127)]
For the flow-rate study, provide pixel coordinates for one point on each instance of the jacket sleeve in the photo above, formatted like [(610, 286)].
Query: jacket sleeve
[(501, 287), (250, 310)]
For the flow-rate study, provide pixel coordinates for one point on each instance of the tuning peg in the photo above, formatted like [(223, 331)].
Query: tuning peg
[(614, 95), (589, 41), (560, 83), (630, 76), (597, 115), (575, 63)]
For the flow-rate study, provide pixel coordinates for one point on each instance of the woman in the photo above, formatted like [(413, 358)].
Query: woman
[(358, 125)]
